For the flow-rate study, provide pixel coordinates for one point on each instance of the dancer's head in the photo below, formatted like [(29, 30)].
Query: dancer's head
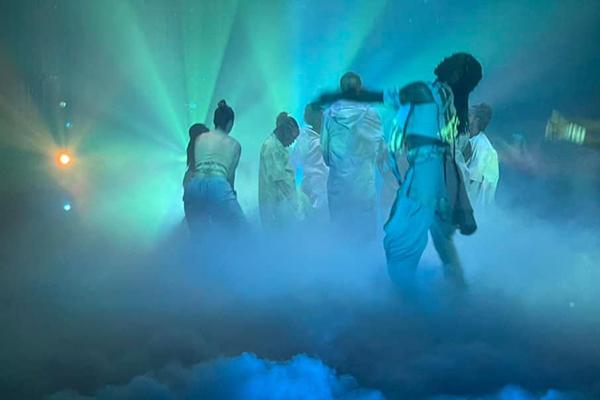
[(286, 129), (195, 131), (313, 116), (479, 118), (224, 117), (462, 72), (350, 83)]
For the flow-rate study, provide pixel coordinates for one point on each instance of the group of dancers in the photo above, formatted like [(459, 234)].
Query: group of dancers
[(437, 154)]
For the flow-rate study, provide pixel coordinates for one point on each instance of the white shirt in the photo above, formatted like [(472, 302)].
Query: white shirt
[(483, 170), (307, 156)]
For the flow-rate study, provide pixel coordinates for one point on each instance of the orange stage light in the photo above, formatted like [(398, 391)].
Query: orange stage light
[(63, 159)]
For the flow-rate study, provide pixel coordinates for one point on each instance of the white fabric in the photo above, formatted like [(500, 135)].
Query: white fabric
[(483, 170), (351, 142), (307, 156), (277, 197)]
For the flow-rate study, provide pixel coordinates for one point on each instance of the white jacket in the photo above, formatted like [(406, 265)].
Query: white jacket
[(351, 142)]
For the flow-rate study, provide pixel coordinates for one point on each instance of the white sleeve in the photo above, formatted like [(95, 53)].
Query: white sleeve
[(492, 170)]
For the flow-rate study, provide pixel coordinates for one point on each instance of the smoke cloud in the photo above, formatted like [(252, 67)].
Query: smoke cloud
[(95, 318), (243, 377)]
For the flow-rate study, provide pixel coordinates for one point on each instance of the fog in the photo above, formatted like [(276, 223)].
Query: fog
[(314, 310), (113, 299)]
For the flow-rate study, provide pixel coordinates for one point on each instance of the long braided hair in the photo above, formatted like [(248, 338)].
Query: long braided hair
[(462, 72)]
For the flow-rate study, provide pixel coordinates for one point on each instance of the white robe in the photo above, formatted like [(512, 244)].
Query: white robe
[(306, 156), (483, 171), (352, 142), (278, 201)]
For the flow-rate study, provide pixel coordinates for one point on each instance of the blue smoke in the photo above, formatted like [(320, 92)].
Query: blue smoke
[(244, 377), (514, 392)]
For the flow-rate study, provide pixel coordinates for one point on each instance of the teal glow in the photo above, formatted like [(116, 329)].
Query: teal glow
[(144, 71)]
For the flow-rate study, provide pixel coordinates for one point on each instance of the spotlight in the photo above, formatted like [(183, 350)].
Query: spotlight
[(68, 125), (63, 159), (62, 104), (67, 207)]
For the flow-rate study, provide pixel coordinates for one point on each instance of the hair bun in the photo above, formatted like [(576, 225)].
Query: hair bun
[(222, 104), (281, 119)]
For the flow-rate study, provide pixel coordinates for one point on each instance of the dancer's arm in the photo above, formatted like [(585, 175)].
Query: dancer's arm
[(364, 96)]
